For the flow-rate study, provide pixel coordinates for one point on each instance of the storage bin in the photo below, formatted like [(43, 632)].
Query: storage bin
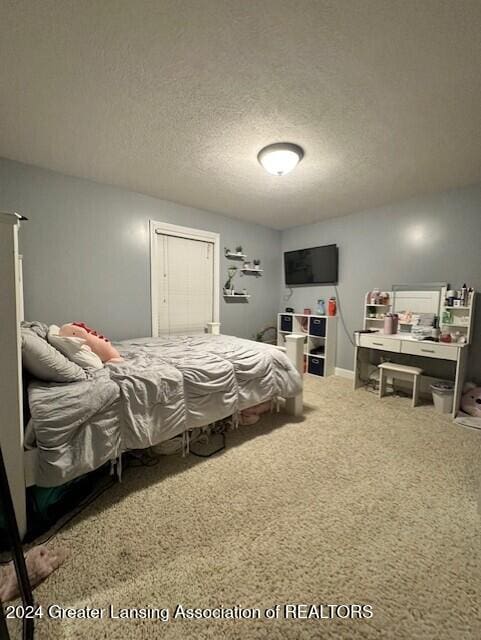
[(315, 366), (443, 396), (317, 326), (286, 323)]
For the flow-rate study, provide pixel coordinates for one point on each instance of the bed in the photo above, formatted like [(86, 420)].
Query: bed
[(162, 387)]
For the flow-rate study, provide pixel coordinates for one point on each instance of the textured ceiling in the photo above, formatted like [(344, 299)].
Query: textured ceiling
[(175, 98)]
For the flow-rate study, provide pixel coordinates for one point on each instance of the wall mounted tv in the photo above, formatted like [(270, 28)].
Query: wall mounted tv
[(317, 265)]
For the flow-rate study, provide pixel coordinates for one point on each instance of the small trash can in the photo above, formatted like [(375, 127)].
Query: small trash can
[(443, 395)]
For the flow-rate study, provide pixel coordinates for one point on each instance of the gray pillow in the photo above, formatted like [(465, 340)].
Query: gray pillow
[(46, 363), (40, 328)]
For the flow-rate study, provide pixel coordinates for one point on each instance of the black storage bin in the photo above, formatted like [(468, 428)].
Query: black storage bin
[(316, 366), (317, 327), (286, 323)]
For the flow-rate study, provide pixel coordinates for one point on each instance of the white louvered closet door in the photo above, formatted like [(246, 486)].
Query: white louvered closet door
[(185, 284)]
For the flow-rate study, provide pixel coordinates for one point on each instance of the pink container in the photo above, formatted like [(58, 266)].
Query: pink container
[(391, 322), (388, 325)]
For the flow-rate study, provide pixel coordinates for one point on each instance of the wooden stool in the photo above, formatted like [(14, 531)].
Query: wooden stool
[(401, 372)]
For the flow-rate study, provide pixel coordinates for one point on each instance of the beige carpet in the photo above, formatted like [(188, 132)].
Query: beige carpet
[(363, 501)]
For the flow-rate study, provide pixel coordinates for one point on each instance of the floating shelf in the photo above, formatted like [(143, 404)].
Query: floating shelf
[(238, 296), (304, 315), (235, 256), (253, 272)]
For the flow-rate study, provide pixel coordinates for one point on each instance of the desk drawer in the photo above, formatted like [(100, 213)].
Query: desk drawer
[(430, 350), (384, 344)]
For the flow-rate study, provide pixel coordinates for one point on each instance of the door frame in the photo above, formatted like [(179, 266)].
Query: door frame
[(164, 228)]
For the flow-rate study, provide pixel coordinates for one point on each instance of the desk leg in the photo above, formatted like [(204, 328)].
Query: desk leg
[(459, 380), (357, 369), (361, 361)]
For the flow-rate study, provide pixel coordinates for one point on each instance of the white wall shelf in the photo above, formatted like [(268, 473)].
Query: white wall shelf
[(252, 272), (320, 340), (232, 255), (238, 296)]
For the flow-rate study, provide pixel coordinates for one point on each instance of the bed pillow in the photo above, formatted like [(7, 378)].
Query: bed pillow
[(75, 349), (40, 328), (46, 363)]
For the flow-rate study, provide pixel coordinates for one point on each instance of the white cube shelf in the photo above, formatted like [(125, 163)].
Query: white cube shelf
[(320, 343)]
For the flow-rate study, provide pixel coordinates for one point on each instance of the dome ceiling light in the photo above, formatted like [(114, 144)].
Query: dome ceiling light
[(280, 158)]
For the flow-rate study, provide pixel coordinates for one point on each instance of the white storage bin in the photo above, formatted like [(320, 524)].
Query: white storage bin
[(443, 396)]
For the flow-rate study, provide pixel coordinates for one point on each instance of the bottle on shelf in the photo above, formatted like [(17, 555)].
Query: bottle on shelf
[(374, 296), (447, 317)]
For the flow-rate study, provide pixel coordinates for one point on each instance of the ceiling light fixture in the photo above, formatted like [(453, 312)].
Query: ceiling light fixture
[(280, 158)]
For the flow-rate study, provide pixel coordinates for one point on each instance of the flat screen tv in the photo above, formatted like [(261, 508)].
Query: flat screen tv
[(317, 265)]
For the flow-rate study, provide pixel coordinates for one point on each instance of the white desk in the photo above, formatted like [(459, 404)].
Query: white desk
[(451, 353)]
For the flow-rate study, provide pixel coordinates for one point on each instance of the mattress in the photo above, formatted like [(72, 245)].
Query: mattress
[(162, 387)]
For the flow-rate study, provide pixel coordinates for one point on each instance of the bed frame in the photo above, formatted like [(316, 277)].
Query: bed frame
[(20, 463)]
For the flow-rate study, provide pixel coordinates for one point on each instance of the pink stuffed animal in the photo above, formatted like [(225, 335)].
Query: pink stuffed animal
[(99, 344), (252, 414), (471, 400)]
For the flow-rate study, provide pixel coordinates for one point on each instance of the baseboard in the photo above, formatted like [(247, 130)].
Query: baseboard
[(344, 373)]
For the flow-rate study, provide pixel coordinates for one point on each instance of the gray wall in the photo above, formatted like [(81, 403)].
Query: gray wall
[(86, 253), (436, 238)]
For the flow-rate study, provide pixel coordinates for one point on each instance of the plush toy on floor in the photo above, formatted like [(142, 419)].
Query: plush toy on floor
[(471, 400), (97, 342), (252, 414)]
